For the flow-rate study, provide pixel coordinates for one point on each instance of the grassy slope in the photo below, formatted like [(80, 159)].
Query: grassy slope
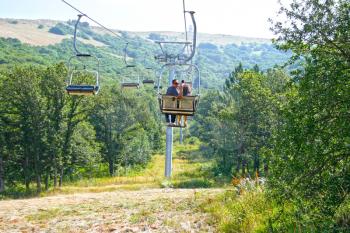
[(189, 171)]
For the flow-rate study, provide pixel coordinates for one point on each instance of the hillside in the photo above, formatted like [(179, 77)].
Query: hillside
[(28, 31), (217, 56)]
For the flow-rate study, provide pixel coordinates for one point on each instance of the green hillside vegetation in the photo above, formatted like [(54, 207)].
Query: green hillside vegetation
[(215, 61), (55, 137), (276, 140)]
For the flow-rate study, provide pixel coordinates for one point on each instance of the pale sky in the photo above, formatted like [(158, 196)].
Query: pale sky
[(233, 17)]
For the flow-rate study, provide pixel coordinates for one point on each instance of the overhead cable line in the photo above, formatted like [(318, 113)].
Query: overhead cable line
[(107, 29)]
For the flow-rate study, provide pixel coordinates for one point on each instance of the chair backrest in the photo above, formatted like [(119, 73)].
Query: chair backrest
[(75, 73), (130, 85), (185, 106), (148, 81), (82, 90)]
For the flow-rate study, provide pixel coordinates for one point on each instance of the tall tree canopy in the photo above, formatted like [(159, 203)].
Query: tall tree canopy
[(311, 157)]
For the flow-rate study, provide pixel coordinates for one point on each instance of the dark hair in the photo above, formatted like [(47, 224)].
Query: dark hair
[(175, 81), (183, 81)]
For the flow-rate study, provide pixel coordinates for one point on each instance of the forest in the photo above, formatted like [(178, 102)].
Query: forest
[(274, 116)]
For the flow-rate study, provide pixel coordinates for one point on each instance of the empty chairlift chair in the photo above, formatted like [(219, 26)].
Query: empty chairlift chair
[(130, 80), (82, 67), (79, 87), (148, 81)]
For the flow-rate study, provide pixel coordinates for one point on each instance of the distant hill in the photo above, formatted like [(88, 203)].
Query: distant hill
[(49, 41), (36, 32)]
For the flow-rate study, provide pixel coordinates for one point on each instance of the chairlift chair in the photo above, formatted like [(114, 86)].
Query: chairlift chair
[(186, 105), (129, 81), (74, 88), (183, 106), (147, 80)]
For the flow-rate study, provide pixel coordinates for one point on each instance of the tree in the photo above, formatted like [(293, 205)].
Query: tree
[(25, 104), (238, 123), (2, 140), (315, 25), (52, 85), (311, 158)]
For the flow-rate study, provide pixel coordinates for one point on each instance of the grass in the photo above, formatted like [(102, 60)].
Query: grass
[(190, 170), (245, 211), (143, 215), (233, 211)]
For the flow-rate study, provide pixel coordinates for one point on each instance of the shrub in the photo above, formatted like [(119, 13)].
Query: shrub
[(13, 22), (56, 30)]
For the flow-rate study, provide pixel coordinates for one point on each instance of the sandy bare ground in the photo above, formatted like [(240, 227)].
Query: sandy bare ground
[(149, 210)]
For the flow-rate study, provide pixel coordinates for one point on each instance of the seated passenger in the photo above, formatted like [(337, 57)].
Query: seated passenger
[(185, 90), (172, 91)]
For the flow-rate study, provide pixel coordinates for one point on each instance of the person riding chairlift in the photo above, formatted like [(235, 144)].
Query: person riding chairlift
[(172, 91), (185, 90)]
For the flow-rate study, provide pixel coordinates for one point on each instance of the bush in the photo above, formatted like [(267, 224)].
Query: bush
[(56, 30), (155, 37), (40, 26), (207, 46)]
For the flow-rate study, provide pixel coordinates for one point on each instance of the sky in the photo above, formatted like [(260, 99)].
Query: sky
[(233, 17)]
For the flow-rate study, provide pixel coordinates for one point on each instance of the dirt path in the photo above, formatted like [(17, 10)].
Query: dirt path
[(150, 210)]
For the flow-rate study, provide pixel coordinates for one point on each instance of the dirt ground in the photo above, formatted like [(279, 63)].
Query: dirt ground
[(149, 210)]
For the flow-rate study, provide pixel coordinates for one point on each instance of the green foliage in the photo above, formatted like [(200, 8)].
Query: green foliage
[(193, 183), (155, 37), (215, 61), (50, 137), (57, 30), (310, 158), (246, 212), (237, 124)]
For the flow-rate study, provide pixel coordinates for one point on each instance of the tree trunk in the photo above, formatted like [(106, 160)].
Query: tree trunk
[(61, 178), (266, 168), (38, 183), (248, 171), (238, 167), (2, 176), (47, 180), (256, 164), (224, 161), (26, 174), (55, 178), (111, 166), (244, 163)]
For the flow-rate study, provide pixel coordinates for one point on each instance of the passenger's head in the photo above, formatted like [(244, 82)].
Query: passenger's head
[(175, 82), (183, 81)]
